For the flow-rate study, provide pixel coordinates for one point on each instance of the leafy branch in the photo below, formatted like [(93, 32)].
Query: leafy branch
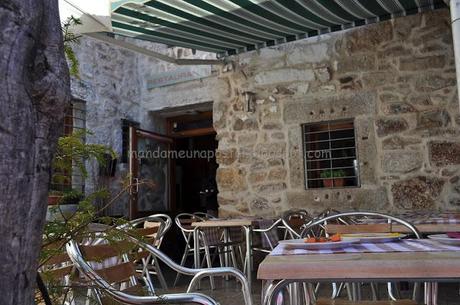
[(69, 39)]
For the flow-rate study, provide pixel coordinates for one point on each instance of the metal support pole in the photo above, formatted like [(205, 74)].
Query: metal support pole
[(455, 17)]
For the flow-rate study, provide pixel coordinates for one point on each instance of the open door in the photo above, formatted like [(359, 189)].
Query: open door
[(150, 172)]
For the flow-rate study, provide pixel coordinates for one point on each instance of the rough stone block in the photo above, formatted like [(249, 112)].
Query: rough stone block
[(444, 153), (247, 138), (386, 126), (257, 177), (248, 124), (401, 161), (330, 108), (397, 142), (231, 179), (355, 63), (431, 119), (271, 188), (378, 79), (361, 40), (403, 26), (308, 53), (226, 156), (367, 150), (277, 174), (422, 63), (278, 136), (417, 193), (323, 74), (431, 82), (397, 108), (261, 206), (296, 169), (270, 150), (283, 76)]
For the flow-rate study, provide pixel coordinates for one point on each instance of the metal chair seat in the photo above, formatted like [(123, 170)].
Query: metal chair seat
[(120, 283)]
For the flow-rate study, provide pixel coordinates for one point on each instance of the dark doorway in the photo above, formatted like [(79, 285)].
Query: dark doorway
[(194, 172)]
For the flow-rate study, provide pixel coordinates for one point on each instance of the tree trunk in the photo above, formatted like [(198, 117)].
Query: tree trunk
[(34, 93)]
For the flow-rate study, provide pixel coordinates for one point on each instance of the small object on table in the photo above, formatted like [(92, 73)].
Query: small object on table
[(453, 234)]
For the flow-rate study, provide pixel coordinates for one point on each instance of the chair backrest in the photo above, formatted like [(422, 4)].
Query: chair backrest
[(267, 232), (184, 222), (204, 215), (361, 227), (109, 281), (155, 227), (56, 275), (294, 220), (339, 220), (111, 265)]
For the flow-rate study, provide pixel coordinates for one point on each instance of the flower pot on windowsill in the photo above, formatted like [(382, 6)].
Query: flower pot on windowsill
[(333, 178), (58, 212), (54, 199)]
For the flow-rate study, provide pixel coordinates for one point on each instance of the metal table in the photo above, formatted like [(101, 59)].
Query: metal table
[(428, 267), (246, 224)]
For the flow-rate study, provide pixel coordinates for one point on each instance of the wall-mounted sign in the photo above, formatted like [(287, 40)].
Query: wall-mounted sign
[(180, 75)]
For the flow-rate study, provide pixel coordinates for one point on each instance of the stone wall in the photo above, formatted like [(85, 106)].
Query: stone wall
[(112, 83), (396, 79)]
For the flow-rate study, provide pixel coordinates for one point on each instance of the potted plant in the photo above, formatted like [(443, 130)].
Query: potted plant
[(71, 155), (66, 205), (54, 197), (333, 178)]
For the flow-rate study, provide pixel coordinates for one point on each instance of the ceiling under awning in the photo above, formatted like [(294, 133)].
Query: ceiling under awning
[(229, 27)]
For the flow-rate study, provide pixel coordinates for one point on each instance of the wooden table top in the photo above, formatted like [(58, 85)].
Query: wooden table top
[(223, 223), (375, 266), (383, 227)]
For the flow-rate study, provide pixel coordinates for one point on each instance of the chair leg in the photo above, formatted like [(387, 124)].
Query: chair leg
[(308, 292), (208, 259), (160, 274), (234, 261), (374, 292), (182, 263), (390, 291)]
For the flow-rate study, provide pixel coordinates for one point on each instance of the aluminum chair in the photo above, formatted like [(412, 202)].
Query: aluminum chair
[(155, 228), (235, 239), (183, 222), (121, 281), (293, 221), (350, 218), (55, 276)]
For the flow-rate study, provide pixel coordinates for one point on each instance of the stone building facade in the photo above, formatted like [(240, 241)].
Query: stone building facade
[(395, 79)]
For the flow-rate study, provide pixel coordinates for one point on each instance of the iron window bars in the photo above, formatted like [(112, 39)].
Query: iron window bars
[(330, 155)]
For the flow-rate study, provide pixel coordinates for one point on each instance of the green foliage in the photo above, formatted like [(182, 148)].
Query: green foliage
[(69, 39), (338, 173), (71, 197), (72, 153)]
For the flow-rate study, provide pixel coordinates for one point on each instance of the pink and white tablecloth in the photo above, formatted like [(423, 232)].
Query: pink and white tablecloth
[(418, 218), (405, 245)]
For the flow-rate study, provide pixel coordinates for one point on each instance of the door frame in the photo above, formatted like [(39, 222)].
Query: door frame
[(190, 133), (133, 166)]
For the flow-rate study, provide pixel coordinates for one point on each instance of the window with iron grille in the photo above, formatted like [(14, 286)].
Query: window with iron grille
[(330, 154), (74, 120)]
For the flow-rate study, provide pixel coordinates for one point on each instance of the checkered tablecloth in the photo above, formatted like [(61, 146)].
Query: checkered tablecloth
[(419, 218), (269, 239), (405, 245)]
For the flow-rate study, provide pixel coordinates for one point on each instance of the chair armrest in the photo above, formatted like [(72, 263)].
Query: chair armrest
[(223, 271), (174, 298), (201, 272)]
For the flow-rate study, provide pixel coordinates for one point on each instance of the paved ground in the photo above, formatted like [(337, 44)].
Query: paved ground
[(229, 293)]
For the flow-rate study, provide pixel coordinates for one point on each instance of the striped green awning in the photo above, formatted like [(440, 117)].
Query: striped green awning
[(228, 27)]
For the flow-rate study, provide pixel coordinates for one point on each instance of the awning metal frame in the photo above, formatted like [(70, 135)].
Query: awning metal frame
[(132, 47)]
